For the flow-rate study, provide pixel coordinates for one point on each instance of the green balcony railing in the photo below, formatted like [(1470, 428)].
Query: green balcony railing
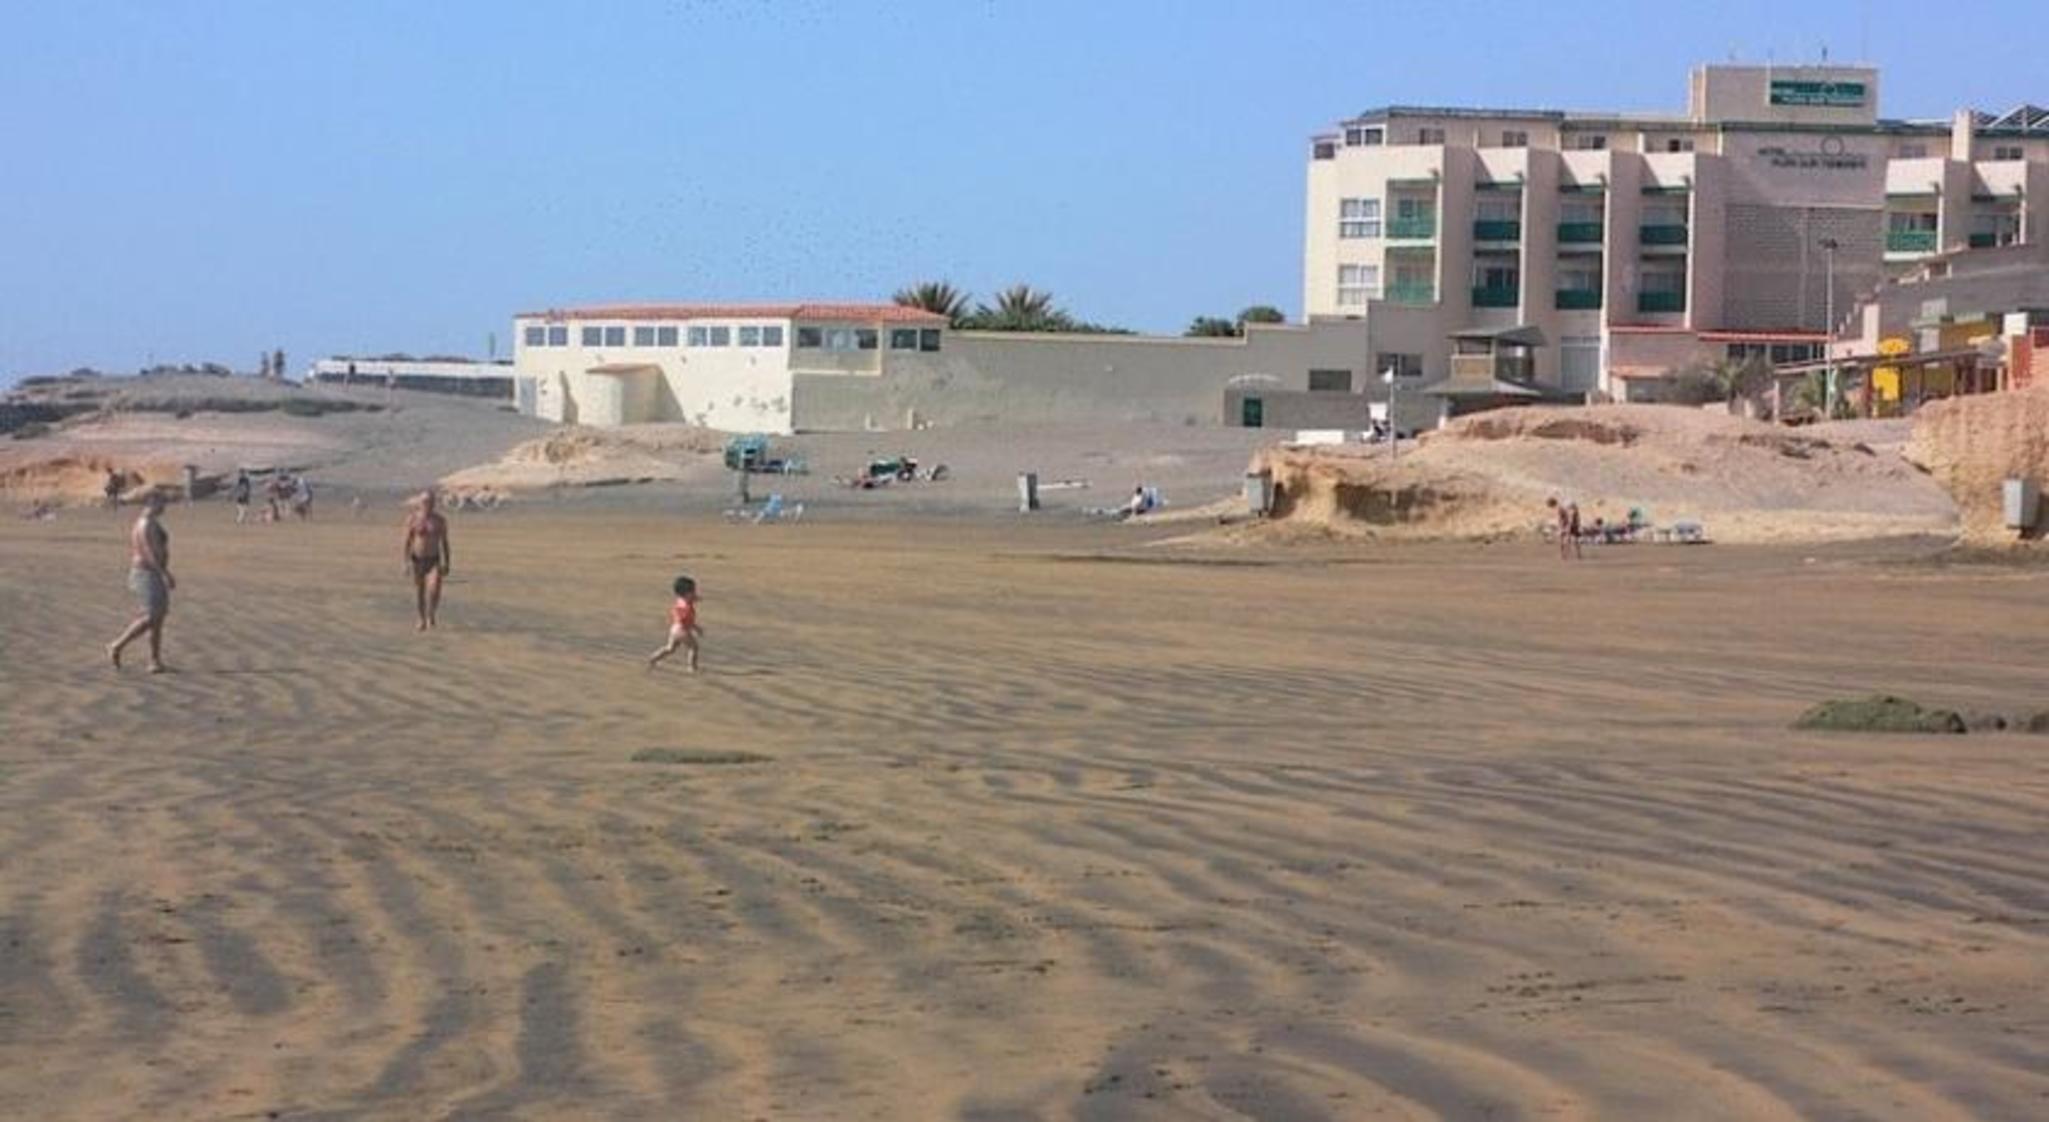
[(1496, 296), (1662, 235), (1579, 233), (1412, 227), (1661, 301), (1578, 300), (1910, 241), (1411, 293), (1984, 241), (1497, 230)]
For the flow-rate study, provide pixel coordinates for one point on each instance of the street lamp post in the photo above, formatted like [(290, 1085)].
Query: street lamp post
[(1828, 248)]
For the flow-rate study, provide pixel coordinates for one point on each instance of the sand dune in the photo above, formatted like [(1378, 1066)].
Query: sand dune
[(1042, 832)]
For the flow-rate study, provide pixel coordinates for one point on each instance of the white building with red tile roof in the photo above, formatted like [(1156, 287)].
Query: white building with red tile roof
[(727, 366)]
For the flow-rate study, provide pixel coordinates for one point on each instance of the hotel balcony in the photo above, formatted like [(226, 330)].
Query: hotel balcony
[(1413, 228), (1496, 296), (1412, 293), (1661, 301), (1578, 300), (1909, 241), (1498, 230), (1662, 235), (1579, 233)]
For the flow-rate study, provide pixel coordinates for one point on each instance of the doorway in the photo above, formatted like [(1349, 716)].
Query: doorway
[(1252, 413)]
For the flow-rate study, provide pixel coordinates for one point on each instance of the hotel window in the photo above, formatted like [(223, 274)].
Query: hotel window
[(593, 336), (1357, 284), (1515, 138), (772, 335), (1679, 144), (615, 336), (536, 336), (811, 337), (1580, 212), (750, 336), (1330, 381), (1360, 136), (1429, 136), (2008, 152), (1497, 276), (1783, 353), (721, 336), (1914, 151), (1498, 206), (1587, 142), (867, 338), (644, 336), (1404, 366), (1358, 218), (1579, 278), (558, 335), (699, 336), (1669, 282), (665, 336), (1324, 150), (839, 338), (928, 339), (903, 338)]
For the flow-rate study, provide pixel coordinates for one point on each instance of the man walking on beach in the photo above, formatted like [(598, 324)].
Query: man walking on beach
[(426, 556), (149, 577)]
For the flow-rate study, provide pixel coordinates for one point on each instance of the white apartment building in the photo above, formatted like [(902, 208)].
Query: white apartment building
[(1638, 244)]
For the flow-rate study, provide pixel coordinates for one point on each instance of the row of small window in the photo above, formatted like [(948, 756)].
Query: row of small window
[(1370, 136), (557, 335), (867, 338), (1778, 354), (723, 335)]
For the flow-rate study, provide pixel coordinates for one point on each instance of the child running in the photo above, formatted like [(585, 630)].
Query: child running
[(683, 628)]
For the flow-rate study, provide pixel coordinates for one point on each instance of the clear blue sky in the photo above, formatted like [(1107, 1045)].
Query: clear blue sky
[(191, 181)]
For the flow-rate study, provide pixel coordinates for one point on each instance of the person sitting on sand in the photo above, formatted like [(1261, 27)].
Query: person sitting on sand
[(149, 577), (427, 556), (683, 628)]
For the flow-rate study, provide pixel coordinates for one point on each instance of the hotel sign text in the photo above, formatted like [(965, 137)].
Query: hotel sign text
[(1829, 155), (1835, 95)]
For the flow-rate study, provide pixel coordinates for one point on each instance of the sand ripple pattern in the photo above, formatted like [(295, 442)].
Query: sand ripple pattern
[(1453, 834)]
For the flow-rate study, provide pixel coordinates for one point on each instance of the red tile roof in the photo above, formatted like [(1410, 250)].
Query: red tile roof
[(862, 313)]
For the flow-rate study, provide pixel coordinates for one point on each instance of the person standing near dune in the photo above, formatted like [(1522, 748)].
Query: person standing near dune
[(426, 556), (149, 577)]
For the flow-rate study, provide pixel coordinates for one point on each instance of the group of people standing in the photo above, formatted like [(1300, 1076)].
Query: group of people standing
[(280, 491)]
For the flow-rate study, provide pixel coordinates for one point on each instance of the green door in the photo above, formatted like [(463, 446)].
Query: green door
[(1252, 413)]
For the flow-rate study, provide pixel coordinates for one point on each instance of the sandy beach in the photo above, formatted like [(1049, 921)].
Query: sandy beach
[(979, 819)]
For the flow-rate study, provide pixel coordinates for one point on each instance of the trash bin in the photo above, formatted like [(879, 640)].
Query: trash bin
[(2023, 503), (1259, 492)]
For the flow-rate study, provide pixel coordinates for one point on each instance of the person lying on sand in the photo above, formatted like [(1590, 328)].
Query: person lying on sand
[(426, 553), (149, 577), (683, 628)]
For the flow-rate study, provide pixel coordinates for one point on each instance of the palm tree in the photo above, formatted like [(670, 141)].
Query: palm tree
[(940, 297), (1021, 308), (1262, 313)]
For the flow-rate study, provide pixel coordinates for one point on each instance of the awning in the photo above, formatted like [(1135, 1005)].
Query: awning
[(1491, 387), (1521, 335), (624, 368), (1866, 362)]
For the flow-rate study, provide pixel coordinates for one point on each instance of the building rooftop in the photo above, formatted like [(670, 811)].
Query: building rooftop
[(859, 312)]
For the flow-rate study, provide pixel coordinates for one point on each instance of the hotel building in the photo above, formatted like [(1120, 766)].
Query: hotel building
[(1635, 245)]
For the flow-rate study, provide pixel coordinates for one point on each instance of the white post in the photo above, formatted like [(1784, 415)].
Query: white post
[(1828, 247), (1394, 429)]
